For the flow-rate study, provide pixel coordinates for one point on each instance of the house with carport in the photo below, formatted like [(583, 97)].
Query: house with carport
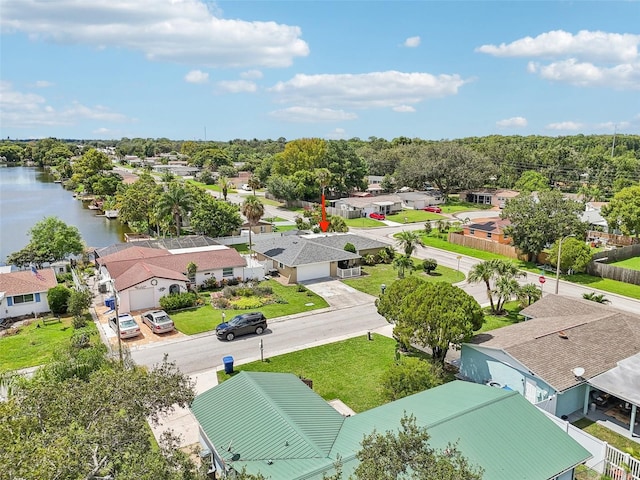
[(300, 258), (288, 432), (562, 357), (25, 292), (384, 204)]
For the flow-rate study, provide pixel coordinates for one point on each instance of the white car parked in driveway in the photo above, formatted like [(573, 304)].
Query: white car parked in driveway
[(128, 326)]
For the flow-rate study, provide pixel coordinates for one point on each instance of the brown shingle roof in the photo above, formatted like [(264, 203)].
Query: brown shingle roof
[(20, 283), (133, 253), (577, 333), (141, 272)]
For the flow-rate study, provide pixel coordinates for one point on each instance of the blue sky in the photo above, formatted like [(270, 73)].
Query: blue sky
[(183, 69)]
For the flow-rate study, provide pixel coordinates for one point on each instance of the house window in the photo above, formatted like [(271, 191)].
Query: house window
[(472, 231), (280, 265), (488, 235), (28, 298), (227, 272), (505, 236), (262, 229)]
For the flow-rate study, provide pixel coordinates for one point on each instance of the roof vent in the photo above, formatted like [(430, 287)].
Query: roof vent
[(562, 334), (578, 372)]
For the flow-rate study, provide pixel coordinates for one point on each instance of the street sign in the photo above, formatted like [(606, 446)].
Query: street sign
[(541, 279)]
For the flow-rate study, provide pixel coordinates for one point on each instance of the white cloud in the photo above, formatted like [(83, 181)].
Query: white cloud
[(613, 126), (251, 74), (20, 110), (368, 90), (196, 76), (565, 126), (512, 122), (236, 86), (312, 115), (404, 109), (42, 84), (181, 31), (585, 45), (624, 76), (586, 59), (412, 42), (336, 134)]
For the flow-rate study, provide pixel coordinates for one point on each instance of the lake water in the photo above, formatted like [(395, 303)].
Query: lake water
[(28, 194)]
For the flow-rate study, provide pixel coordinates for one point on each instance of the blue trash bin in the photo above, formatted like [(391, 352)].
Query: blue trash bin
[(228, 364), (110, 302)]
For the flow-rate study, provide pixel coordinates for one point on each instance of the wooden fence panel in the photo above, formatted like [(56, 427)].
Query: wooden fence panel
[(482, 244)]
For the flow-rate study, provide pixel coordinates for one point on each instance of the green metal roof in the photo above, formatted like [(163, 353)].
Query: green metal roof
[(267, 416), (496, 429)]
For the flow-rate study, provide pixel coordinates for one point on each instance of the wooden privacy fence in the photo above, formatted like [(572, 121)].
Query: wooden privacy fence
[(601, 264), (486, 245), (611, 239)]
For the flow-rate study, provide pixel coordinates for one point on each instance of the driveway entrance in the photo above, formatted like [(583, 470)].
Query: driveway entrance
[(338, 294)]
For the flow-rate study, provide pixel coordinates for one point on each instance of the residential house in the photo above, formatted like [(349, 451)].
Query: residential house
[(310, 257), (261, 226), (489, 196), (420, 200), (488, 229), (385, 204), (554, 358), (592, 215), (143, 275), (289, 432), (25, 292)]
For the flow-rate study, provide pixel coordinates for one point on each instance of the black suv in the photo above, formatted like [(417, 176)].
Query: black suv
[(254, 322)]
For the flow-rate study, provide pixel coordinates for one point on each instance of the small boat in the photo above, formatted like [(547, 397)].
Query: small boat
[(57, 181), (95, 205), (111, 214)]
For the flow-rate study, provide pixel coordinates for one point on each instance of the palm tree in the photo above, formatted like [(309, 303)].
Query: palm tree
[(176, 202), (254, 183), (483, 272), (408, 241), (403, 263), (596, 297), (528, 294), (223, 183), (505, 289), (253, 209)]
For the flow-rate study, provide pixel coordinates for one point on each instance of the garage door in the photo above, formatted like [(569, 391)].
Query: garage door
[(141, 298), (312, 272)]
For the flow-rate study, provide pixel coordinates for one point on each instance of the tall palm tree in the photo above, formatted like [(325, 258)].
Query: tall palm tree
[(254, 183), (403, 263), (253, 209), (176, 202), (528, 294), (223, 183), (505, 289), (408, 241), (484, 272)]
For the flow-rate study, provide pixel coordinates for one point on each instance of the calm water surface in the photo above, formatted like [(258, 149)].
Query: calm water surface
[(28, 194)]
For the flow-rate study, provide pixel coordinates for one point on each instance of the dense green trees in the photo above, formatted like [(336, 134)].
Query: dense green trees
[(532, 181), (435, 315), (213, 217), (176, 201), (575, 255), (136, 203), (539, 221), (51, 240), (623, 211)]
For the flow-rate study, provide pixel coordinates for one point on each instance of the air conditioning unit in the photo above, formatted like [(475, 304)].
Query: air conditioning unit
[(102, 287)]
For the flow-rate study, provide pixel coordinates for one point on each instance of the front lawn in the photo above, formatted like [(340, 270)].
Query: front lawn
[(204, 319), (349, 370), (36, 343), (376, 275), (511, 316), (363, 222), (454, 205), (414, 216)]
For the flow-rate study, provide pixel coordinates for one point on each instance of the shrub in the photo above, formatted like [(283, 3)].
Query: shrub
[(350, 247), (177, 301), (79, 321), (229, 292), (410, 375), (233, 281), (263, 290), (246, 303), (429, 265), (427, 228), (65, 278), (221, 302), (244, 292), (58, 298), (301, 288), (210, 283)]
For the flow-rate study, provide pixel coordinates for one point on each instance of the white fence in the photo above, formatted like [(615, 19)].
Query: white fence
[(349, 272), (605, 458)]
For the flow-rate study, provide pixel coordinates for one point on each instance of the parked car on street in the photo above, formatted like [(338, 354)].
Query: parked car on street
[(158, 321), (128, 326), (377, 216), (245, 187), (254, 322), (433, 208)]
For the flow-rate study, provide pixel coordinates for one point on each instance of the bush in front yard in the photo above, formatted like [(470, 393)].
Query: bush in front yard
[(58, 298), (177, 301), (410, 375)]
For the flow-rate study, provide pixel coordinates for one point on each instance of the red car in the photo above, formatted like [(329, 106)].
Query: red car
[(433, 209), (377, 216)]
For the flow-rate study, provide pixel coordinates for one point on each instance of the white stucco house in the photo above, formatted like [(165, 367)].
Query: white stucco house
[(25, 292)]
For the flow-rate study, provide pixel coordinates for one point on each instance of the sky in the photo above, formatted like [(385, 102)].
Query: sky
[(205, 70)]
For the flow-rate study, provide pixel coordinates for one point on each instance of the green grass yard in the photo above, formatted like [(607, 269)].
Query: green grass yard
[(512, 315), (364, 222), (36, 343), (349, 370), (413, 216), (632, 263), (603, 433), (374, 276), (204, 319)]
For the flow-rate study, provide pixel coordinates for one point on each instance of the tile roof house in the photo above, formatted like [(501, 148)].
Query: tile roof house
[(310, 257), (287, 431), (25, 292), (539, 357), (143, 275)]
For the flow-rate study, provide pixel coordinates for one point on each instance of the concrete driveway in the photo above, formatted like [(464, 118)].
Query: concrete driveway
[(338, 294)]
